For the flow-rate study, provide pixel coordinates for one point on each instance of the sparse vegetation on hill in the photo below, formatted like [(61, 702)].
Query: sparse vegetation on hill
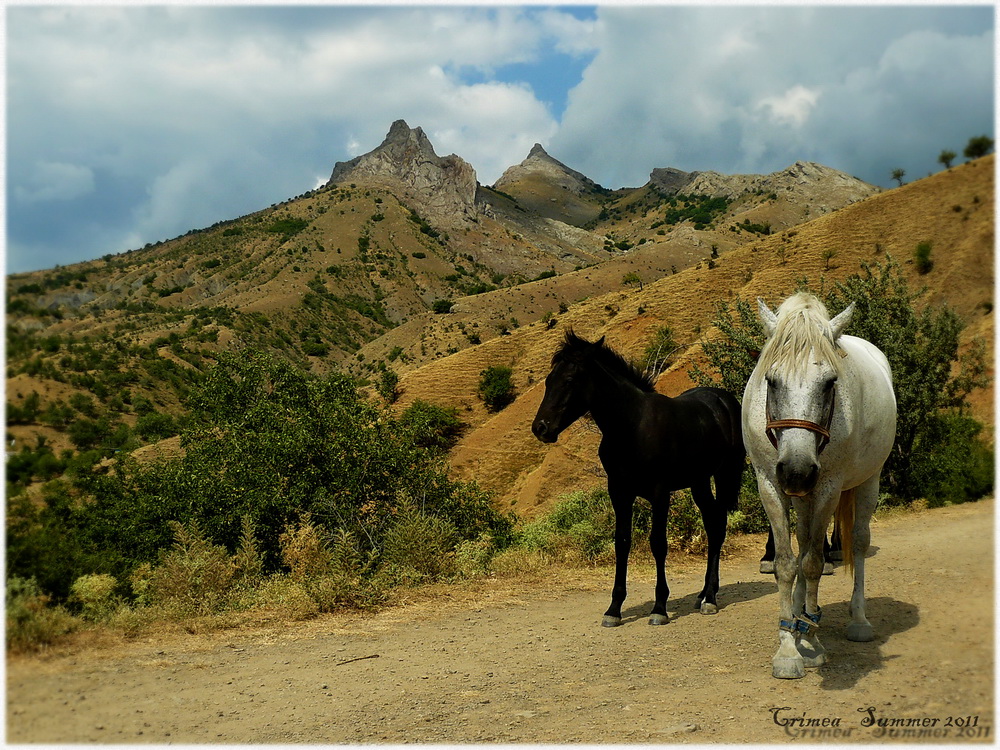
[(192, 411), (268, 448)]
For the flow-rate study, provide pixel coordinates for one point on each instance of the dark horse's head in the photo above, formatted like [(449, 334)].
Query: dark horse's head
[(570, 386)]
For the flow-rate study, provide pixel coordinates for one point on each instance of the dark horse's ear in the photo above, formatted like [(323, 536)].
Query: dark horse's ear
[(599, 342)]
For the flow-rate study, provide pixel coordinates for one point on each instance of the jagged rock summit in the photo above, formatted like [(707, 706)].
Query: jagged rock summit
[(406, 156), (803, 178), (539, 164)]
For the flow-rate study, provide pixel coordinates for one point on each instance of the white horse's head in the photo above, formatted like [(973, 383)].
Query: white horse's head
[(801, 363)]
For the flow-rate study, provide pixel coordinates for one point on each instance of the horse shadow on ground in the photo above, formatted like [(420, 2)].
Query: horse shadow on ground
[(730, 593), (849, 661)]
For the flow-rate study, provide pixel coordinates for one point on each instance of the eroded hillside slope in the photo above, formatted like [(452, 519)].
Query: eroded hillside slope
[(953, 211)]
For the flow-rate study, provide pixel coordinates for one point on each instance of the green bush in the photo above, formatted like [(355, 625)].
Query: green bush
[(496, 387), (264, 444), (154, 426), (31, 623), (922, 258), (954, 463), (96, 596), (432, 427), (421, 546), (194, 576)]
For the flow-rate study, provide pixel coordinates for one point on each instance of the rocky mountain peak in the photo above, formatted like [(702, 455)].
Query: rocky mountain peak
[(407, 157), (540, 164)]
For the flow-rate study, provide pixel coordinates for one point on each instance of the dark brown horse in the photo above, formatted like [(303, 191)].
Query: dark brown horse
[(651, 446)]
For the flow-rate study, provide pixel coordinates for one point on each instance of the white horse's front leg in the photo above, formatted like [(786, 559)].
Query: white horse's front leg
[(813, 514), (866, 498), (787, 662)]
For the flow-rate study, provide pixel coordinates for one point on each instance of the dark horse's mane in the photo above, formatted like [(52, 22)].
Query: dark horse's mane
[(580, 350)]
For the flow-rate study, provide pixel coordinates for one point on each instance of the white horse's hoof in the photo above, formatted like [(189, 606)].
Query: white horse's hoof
[(828, 568), (860, 631), (657, 619), (707, 608), (767, 566), (788, 668), (611, 622)]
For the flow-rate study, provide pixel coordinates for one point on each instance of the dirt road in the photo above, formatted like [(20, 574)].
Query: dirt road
[(536, 666)]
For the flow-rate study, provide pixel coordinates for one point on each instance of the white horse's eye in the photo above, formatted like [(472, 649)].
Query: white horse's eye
[(829, 384)]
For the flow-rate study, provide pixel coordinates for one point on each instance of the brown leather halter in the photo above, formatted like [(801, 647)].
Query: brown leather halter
[(823, 432)]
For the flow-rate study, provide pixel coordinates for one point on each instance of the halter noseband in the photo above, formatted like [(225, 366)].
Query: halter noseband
[(804, 424)]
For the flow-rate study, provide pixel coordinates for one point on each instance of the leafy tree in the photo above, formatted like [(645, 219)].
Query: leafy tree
[(922, 349), (388, 384), (269, 443), (898, 175), (978, 146), (432, 427), (922, 258), (632, 278), (496, 387), (946, 157), (660, 351)]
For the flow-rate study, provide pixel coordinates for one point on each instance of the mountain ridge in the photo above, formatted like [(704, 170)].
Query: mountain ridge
[(351, 276)]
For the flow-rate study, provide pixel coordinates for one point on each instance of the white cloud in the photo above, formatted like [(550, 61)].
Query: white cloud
[(791, 108), (753, 89), (178, 116)]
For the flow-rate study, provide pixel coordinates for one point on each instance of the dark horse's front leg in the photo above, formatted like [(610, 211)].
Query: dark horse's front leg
[(622, 502)]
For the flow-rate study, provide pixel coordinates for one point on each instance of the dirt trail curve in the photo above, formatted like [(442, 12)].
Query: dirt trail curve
[(537, 667)]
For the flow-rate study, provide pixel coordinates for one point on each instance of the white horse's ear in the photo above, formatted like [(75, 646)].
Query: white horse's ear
[(767, 318), (839, 323)]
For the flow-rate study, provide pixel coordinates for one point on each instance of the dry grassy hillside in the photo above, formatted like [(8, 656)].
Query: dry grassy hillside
[(954, 210)]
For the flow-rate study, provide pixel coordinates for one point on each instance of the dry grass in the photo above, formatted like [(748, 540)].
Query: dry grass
[(501, 453)]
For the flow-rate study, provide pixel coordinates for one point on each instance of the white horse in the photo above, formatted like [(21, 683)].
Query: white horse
[(819, 420)]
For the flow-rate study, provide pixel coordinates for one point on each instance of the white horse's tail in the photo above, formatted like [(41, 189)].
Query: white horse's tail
[(844, 517)]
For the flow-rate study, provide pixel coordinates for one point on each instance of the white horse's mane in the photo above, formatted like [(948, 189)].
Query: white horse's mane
[(803, 326)]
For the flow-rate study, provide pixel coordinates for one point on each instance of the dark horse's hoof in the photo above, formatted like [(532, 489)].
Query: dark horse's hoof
[(611, 622), (657, 619)]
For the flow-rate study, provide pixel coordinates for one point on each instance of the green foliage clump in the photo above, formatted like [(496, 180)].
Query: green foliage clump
[(922, 258), (192, 577), (432, 427), (31, 623), (496, 387), (95, 594), (265, 443), (420, 546), (287, 228)]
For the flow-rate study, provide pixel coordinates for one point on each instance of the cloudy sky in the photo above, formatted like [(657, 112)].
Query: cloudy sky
[(128, 125)]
